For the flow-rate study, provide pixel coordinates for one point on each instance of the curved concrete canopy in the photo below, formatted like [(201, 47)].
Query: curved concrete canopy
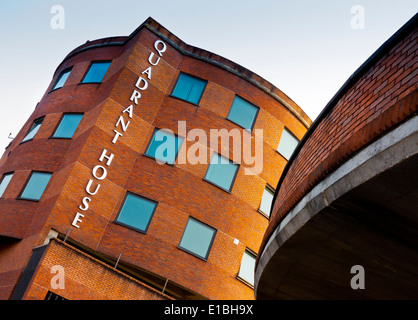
[(364, 213)]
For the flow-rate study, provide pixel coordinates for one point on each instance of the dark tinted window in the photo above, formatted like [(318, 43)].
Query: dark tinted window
[(96, 72), (189, 88), (197, 238), (136, 212), (243, 113), (36, 185), (67, 126)]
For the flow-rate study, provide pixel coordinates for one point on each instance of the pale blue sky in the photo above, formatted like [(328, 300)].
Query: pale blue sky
[(308, 49)]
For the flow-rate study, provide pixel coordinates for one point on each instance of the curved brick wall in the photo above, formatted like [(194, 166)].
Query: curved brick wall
[(179, 189), (379, 96)]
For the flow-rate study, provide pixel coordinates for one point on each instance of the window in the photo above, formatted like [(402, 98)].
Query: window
[(61, 79), (35, 186), (136, 212), (243, 113), (164, 146), (189, 88), (96, 72), (5, 182), (287, 144), (67, 126), (197, 238), (221, 172), (266, 201), (33, 130), (246, 270)]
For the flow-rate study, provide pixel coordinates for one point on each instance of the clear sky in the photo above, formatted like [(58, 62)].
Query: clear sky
[(308, 49)]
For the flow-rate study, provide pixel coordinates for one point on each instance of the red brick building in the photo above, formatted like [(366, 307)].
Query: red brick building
[(87, 209), (344, 220)]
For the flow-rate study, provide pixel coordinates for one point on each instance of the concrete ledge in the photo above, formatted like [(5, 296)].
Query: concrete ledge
[(381, 155)]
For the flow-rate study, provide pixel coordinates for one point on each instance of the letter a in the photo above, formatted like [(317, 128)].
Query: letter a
[(58, 281), (358, 20), (58, 20), (357, 282)]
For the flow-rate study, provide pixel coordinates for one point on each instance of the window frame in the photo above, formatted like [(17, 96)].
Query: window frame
[(193, 77), (2, 179), (210, 243), (39, 120), (240, 278), (128, 225), (233, 179), (150, 141), (69, 69), (26, 184), (255, 116), (89, 68), (59, 123), (270, 189)]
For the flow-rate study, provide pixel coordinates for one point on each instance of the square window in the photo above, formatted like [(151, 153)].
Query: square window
[(164, 146), (189, 88), (67, 126), (33, 130), (266, 201), (5, 182), (287, 144), (35, 186), (197, 238), (246, 270), (61, 79), (96, 72), (243, 113), (136, 212), (221, 172)]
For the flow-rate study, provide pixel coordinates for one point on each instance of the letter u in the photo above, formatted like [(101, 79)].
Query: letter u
[(150, 59), (89, 186)]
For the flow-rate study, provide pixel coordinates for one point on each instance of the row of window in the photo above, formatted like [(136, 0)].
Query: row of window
[(221, 171), (136, 213), (190, 88), (34, 188), (242, 112), (164, 147), (94, 74), (65, 129)]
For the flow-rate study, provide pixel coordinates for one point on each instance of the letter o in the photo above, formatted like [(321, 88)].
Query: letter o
[(104, 174), (160, 51)]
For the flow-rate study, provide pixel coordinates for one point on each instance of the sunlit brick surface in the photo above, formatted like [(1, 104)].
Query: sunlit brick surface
[(383, 97), (179, 189)]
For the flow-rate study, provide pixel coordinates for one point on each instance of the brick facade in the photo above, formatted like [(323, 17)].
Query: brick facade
[(179, 190), (84, 277)]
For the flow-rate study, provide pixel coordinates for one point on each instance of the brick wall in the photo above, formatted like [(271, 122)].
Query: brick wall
[(384, 96), (179, 189), (84, 276)]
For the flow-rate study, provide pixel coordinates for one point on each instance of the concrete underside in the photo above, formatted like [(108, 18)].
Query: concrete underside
[(372, 224)]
